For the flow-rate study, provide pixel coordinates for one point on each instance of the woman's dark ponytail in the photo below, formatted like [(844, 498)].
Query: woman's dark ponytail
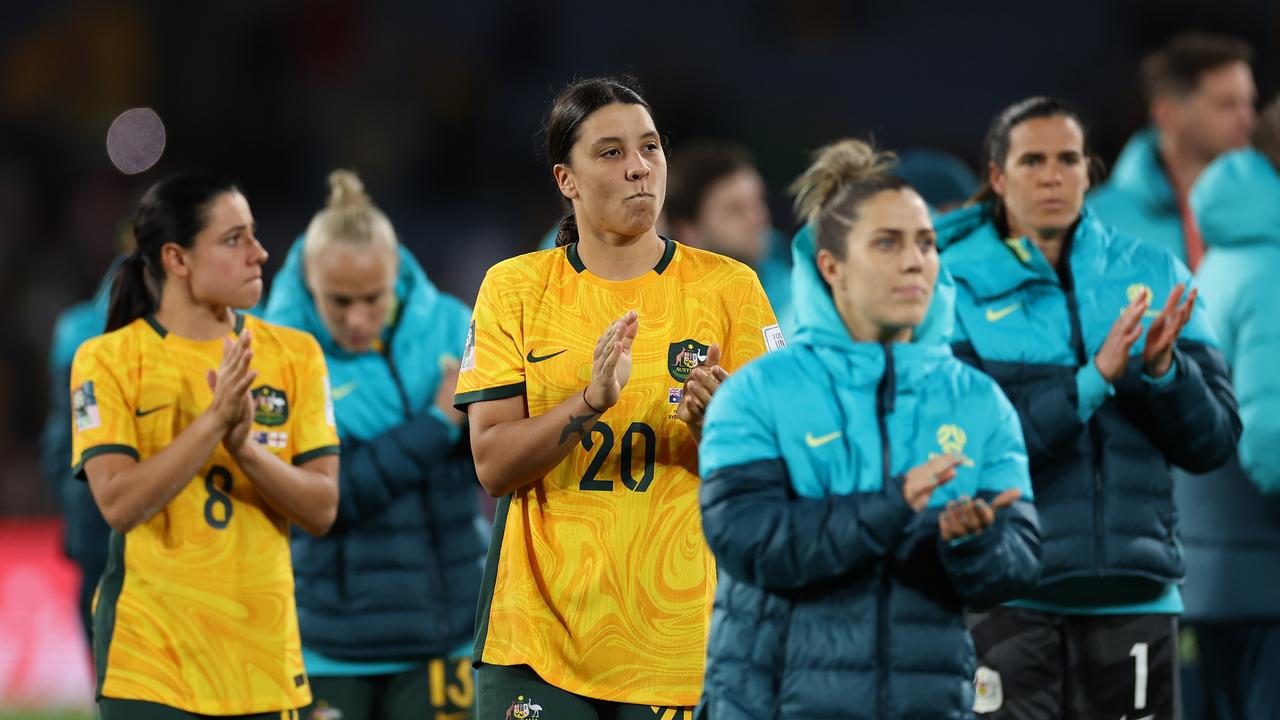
[(172, 211), (131, 296), (568, 232)]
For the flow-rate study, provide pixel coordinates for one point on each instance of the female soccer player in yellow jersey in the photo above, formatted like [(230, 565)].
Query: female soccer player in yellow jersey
[(585, 375), (199, 471)]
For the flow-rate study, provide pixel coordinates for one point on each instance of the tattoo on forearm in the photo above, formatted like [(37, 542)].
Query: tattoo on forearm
[(576, 425)]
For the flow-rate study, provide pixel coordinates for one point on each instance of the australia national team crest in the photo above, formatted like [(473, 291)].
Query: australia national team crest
[(951, 440), (270, 406), (684, 356), (524, 708)]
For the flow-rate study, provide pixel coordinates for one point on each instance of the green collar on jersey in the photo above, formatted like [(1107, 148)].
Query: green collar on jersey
[(668, 252)]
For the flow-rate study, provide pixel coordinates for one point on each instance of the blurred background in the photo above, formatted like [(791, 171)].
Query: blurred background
[(437, 106)]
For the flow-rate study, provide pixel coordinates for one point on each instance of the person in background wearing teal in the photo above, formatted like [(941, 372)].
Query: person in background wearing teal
[(1098, 340), (85, 532), (1200, 95), (716, 201), (847, 554), (1232, 526), (386, 600)]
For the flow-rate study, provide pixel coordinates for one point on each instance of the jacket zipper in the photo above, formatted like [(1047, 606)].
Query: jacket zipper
[(391, 366), (1095, 433), (885, 392)]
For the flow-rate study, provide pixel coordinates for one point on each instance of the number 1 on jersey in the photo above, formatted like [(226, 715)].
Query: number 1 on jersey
[(1139, 654)]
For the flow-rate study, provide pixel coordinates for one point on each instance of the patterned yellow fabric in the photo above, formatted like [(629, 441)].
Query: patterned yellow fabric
[(603, 581), (196, 608)]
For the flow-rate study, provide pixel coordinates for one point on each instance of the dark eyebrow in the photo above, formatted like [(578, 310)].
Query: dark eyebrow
[(891, 231), (614, 140)]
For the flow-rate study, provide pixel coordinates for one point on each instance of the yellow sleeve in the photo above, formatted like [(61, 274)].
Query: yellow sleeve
[(492, 365), (314, 431), (754, 330), (101, 413)]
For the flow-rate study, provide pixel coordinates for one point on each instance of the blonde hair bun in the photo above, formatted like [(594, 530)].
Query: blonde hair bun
[(346, 190), (835, 166), (349, 217)]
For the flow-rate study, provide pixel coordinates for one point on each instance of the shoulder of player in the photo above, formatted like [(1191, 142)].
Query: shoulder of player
[(529, 266), (281, 338), (116, 348), (705, 264)]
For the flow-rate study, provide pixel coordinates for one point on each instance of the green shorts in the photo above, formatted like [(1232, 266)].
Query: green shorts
[(515, 692), (117, 709), (441, 689)]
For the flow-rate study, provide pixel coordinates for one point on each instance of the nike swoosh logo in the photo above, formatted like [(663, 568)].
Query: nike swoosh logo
[(537, 359), (344, 390), (817, 442), (143, 413), (997, 315), (1145, 717)]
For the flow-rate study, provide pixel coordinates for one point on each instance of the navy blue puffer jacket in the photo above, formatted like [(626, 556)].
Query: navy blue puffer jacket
[(1100, 456), (836, 599)]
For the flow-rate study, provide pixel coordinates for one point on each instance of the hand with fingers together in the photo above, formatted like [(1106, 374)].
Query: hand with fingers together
[(702, 383), (923, 479), (232, 404), (1157, 355), (1112, 359), (965, 516), (611, 363)]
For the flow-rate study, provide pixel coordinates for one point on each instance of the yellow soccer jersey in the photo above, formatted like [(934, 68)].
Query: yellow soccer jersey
[(598, 575), (195, 609)]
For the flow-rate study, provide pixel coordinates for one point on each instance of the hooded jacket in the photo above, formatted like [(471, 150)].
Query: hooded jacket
[(1100, 455), (835, 598), (1231, 526), (1139, 200), (398, 575)]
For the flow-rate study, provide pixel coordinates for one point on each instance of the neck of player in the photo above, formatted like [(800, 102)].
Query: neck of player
[(188, 317), (1049, 241), (618, 257)]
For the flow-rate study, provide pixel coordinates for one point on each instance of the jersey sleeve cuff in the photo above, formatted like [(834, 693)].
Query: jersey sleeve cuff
[(462, 400), (95, 451), (308, 456)]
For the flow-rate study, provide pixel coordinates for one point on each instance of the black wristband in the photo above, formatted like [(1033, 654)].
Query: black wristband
[(588, 402)]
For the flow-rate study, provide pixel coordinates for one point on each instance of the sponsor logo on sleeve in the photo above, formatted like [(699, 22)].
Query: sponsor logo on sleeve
[(773, 339), (84, 407), (469, 349)]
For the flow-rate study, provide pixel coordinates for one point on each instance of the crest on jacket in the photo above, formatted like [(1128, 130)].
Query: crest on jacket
[(951, 441), (684, 356)]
